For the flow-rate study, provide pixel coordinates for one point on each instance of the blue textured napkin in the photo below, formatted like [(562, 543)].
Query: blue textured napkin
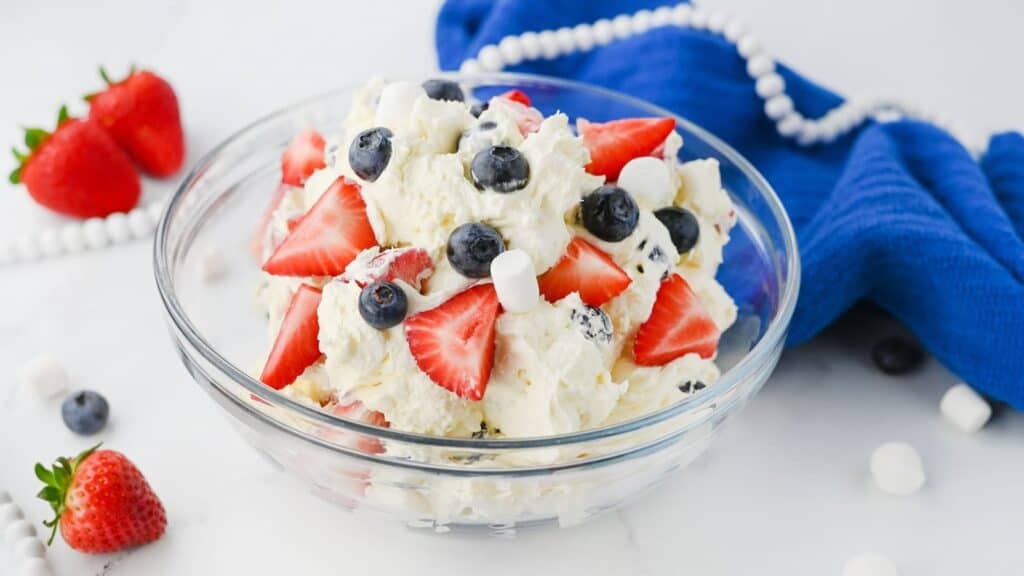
[(897, 214)]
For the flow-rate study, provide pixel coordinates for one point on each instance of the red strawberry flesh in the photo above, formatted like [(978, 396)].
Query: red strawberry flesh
[(587, 270), (297, 345), (678, 325), (613, 144), (304, 155), (410, 265)]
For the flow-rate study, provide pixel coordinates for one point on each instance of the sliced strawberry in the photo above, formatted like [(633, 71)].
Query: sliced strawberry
[(527, 119), (329, 236), (297, 345), (304, 155), (613, 144), (587, 270), (678, 325), (355, 410), (411, 265), (454, 343), (516, 96)]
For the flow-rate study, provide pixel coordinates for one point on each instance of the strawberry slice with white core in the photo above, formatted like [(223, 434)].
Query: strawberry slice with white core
[(328, 237), (410, 265), (356, 410), (453, 344), (304, 155), (516, 96), (613, 144), (678, 325), (587, 270), (296, 346)]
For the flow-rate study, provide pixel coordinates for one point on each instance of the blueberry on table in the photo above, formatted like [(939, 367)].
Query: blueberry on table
[(610, 213), (439, 89), (472, 247), (85, 412), (682, 226), (897, 355), (501, 168), (370, 152), (383, 304)]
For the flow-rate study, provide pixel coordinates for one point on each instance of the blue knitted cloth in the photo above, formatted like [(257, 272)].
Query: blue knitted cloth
[(898, 214)]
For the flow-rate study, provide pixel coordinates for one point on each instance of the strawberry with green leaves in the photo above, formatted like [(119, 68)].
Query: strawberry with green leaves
[(101, 501), (77, 170)]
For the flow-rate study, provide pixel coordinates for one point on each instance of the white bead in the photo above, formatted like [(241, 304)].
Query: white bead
[(490, 58), (897, 468), (511, 50), (5, 497), (809, 134), (965, 408), (212, 265), (27, 248), (564, 39), (760, 65), (734, 31), (603, 32), (470, 66), (749, 46), (770, 86), (9, 514), (95, 233), (682, 15), (622, 25), (641, 21), (828, 130), (662, 16), (648, 181), (17, 530), (117, 228), (698, 19), (869, 565), (138, 220), (35, 567), (548, 44), (584, 36), (515, 281), (72, 237), (45, 375), (777, 107), (156, 209), (29, 548), (790, 125), (49, 242), (716, 21), (531, 45)]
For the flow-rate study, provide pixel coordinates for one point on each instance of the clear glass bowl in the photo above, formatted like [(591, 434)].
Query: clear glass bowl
[(499, 485)]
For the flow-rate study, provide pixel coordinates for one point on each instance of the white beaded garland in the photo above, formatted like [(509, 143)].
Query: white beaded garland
[(470, 67), (95, 233), (117, 228), (778, 107), (29, 548), (770, 86), (531, 45), (156, 209), (734, 30), (622, 26), (35, 567), (490, 58), (563, 38), (662, 16), (17, 530), (717, 21), (641, 22), (548, 44), (698, 18), (760, 65), (749, 46), (790, 125), (603, 32), (49, 242), (511, 50), (583, 35), (140, 223), (26, 248), (681, 15)]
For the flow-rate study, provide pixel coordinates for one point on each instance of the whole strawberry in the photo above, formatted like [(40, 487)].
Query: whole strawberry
[(77, 170), (141, 114), (101, 501)]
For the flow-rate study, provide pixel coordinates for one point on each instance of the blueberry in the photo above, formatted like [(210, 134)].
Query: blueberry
[(500, 168), (444, 90), (477, 109), (383, 304), (488, 125), (682, 226), (85, 412), (472, 246), (897, 355), (593, 323), (610, 213), (370, 153), (691, 387)]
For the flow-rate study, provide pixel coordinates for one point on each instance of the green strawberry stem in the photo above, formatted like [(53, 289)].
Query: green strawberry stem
[(34, 138), (57, 483)]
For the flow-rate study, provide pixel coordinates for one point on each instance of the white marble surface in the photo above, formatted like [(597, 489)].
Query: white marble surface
[(784, 490)]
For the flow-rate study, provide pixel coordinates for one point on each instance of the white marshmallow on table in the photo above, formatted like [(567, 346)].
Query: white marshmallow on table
[(648, 181), (395, 103), (19, 529), (869, 564), (212, 265), (29, 548), (45, 375), (965, 408), (515, 281), (897, 468), (35, 567)]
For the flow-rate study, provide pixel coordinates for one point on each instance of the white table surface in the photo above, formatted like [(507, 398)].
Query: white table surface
[(783, 491)]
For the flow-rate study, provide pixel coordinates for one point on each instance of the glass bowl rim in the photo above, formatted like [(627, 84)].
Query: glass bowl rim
[(750, 363)]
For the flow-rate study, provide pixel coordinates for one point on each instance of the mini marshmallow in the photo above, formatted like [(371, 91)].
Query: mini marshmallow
[(515, 281), (9, 514), (897, 468), (648, 181), (396, 102), (35, 567), (965, 408), (869, 564), (29, 548), (212, 265), (45, 375), (17, 530)]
